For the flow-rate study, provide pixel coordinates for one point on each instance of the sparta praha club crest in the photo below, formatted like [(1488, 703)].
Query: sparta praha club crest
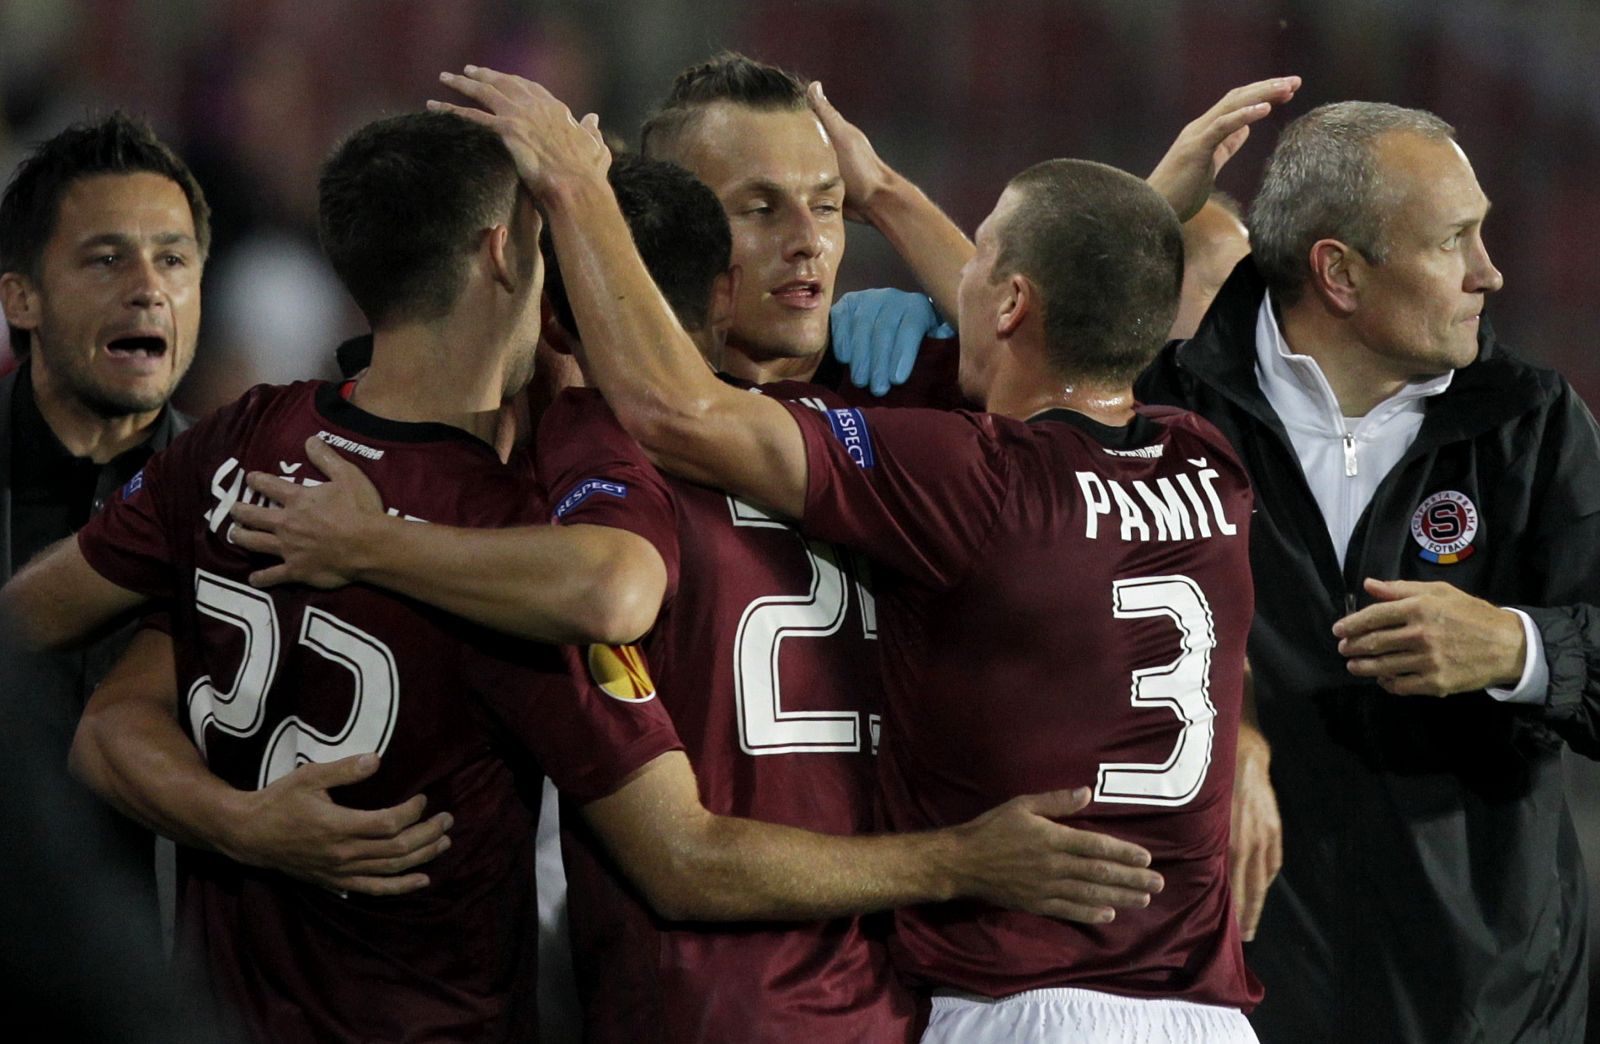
[(1445, 525)]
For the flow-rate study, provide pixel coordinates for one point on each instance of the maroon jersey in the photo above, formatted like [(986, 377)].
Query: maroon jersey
[(765, 655), (934, 382), (269, 680), (1061, 604)]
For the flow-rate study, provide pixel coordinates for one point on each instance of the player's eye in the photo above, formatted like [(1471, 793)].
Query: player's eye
[(174, 260), (826, 208)]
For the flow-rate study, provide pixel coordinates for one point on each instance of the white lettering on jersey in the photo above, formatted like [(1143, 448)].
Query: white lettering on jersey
[(1168, 509), (1175, 517), (352, 446), (226, 492), (1148, 452), (228, 488), (1132, 518)]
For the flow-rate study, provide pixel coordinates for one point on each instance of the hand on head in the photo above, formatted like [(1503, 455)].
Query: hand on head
[(552, 150)]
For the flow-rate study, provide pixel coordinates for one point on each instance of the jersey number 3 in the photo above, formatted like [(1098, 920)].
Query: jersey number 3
[(1182, 686), (241, 710)]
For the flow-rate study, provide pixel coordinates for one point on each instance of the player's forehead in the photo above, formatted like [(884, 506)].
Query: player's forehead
[(734, 148), (137, 207)]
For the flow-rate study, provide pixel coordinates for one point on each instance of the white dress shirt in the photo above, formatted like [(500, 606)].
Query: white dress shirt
[(1345, 458)]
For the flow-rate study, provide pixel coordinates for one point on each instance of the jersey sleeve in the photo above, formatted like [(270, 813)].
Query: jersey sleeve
[(596, 474), (589, 736), (919, 490), (130, 542)]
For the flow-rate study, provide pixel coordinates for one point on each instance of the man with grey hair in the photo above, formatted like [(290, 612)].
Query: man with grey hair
[(1428, 525)]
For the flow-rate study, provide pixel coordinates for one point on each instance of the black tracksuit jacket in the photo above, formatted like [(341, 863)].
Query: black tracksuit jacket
[(1432, 888)]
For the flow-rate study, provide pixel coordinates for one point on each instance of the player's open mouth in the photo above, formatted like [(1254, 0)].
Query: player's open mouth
[(139, 346), (802, 293)]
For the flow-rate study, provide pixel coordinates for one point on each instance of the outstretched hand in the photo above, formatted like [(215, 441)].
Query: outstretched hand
[(320, 530), (1188, 172), (551, 148), (1023, 860), (294, 826)]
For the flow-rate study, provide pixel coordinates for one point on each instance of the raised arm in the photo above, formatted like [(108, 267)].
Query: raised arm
[(131, 750), (576, 584), (923, 235), (1188, 172), (637, 354), (693, 865), (878, 335)]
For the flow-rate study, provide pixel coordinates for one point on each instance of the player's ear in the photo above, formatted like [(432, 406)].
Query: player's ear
[(19, 300), (1017, 304), (496, 251), (1336, 275), (724, 289)]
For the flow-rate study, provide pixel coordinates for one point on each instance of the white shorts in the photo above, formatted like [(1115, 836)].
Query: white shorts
[(1087, 1016)]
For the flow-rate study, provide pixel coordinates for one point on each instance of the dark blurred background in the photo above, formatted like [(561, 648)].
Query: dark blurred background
[(958, 95)]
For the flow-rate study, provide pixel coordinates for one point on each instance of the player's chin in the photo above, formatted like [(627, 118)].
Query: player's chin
[(792, 338)]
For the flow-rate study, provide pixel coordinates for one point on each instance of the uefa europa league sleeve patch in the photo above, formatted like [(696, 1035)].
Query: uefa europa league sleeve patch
[(1445, 525), (621, 673)]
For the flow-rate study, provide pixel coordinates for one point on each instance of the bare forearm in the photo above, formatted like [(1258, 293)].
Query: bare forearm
[(924, 236), (661, 388), (539, 582), (58, 601), (693, 865), (636, 351), (743, 870), (136, 757)]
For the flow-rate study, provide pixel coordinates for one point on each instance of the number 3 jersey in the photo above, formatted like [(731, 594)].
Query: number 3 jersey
[(765, 655), (1061, 604), (268, 680)]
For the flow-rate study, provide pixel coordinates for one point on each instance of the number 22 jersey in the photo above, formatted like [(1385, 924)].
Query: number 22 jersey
[(268, 680)]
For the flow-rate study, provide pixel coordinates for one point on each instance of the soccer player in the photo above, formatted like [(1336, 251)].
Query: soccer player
[(749, 131), (792, 697), (1038, 573), (422, 217), (687, 862), (769, 692)]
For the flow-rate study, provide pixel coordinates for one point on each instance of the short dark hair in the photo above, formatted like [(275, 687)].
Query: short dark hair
[(680, 229), (1105, 252), (401, 204), (727, 77), (117, 143)]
